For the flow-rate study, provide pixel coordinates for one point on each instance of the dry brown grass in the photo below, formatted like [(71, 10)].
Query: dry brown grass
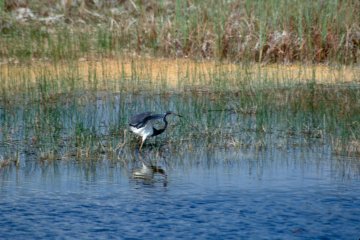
[(174, 72)]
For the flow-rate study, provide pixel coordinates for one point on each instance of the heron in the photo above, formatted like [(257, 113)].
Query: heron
[(142, 124)]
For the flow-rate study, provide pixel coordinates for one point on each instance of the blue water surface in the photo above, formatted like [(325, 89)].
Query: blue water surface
[(223, 195)]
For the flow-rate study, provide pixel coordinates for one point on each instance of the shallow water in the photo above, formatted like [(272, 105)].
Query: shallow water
[(211, 195), (219, 184)]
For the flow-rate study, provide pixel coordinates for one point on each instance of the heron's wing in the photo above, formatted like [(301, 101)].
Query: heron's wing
[(141, 119)]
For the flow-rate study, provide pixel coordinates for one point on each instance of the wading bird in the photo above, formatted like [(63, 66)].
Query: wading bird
[(142, 124)]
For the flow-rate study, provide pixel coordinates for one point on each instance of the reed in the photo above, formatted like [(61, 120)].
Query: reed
[(275, 31)]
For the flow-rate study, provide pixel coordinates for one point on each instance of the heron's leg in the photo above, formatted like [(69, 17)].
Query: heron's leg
[(142, 142)]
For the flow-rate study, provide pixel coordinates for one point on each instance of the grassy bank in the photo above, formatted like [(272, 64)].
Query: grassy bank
[(280, 31)]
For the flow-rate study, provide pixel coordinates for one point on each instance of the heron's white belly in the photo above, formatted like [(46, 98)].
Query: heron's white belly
[(144, 131)]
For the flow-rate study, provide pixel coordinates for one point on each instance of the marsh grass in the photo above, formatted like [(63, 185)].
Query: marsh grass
[(79, 110), (275, 31)]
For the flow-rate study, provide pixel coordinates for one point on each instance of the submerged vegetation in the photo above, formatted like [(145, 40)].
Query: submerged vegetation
[(85, 68)]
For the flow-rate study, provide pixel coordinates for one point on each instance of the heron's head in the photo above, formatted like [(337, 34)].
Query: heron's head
[(173, 113)]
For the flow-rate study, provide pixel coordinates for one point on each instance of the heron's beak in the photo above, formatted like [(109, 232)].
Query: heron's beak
[(178, 115)]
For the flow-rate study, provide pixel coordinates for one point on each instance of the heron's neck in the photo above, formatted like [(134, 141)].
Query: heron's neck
[(159, 131)]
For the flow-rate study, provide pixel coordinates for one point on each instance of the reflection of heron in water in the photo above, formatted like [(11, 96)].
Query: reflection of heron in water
[(148, 172)]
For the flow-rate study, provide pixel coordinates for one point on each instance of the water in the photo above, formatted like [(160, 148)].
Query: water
[(225, 179), (278, 195)]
